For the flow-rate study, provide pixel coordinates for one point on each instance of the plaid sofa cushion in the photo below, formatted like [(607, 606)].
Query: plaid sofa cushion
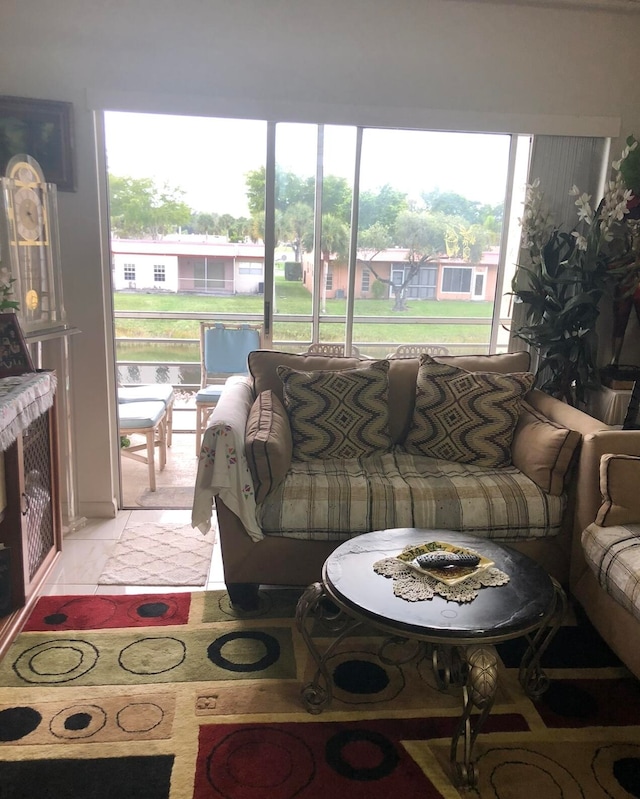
[(613, 554), (336, 499)]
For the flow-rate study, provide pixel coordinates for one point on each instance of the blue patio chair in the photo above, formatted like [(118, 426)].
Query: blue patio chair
[(224, 350)]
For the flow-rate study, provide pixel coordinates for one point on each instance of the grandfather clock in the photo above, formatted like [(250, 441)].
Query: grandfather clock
[(30, 254)]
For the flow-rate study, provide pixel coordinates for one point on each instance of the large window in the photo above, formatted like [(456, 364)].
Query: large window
[(264, 231)]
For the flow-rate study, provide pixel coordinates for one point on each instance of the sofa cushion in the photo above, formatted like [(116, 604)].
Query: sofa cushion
[(337, 414), (402, 376), (619, 486), (467, 417), (268, 444), (543, 450), (613, 554), (336, 499), (264, 363)]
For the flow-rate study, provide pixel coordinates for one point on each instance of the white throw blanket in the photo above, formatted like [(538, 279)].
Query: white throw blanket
[(222, 467)]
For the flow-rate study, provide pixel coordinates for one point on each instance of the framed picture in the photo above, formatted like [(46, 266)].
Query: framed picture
[(42, 129), (15, 358)]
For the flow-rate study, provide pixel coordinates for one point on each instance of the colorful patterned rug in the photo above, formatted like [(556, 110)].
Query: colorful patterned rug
[(178, 695)]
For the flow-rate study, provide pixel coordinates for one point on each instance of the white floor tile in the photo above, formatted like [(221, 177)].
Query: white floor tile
[(82, 561), (122, 590), (154, 515), (100, 529), (62, 589)]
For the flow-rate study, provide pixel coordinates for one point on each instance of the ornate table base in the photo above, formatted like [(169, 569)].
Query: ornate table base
[(470, 666)]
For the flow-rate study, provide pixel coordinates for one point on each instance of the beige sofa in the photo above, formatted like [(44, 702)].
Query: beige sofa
[(539, 503), (605, 573)]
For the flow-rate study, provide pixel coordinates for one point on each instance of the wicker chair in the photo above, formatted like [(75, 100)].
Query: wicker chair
[(331, 350), (415, 350)]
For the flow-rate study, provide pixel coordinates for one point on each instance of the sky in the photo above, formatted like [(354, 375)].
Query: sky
[(208, 158)]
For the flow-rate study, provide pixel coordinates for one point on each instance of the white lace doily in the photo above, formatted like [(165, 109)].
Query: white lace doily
[(409, 585)]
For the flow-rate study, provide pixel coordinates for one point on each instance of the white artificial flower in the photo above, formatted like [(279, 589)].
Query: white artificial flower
[(581, 242)]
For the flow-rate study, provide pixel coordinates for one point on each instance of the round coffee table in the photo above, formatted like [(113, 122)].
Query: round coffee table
[(459, 636)]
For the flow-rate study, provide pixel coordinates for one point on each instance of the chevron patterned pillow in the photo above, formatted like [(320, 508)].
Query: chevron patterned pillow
[(467, 417), (342, 414)]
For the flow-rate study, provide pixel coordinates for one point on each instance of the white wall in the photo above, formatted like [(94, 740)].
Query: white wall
[(439, 63), (144, 271)]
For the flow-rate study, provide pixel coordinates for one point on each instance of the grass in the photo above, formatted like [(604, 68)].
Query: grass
[(291, 298)]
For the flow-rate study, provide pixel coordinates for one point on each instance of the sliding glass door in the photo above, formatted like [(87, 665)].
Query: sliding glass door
[(325, 233)]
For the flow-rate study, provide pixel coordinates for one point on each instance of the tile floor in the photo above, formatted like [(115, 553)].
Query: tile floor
[(85, 552)]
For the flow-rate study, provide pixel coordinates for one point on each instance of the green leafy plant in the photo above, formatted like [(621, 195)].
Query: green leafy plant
[(563, 276), (6, 290)]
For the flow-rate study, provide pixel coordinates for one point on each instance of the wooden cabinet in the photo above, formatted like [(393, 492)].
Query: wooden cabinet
[(30, 528)]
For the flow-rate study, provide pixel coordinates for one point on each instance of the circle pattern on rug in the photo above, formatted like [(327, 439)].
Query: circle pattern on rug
[(244, 651), (500, 767), (359, 678), (617, 766), (58, 661), (77, 722), (18, 722), (231, 764), (153, 655), (139, 717), (361, 755), (165, 608), (82, 612)]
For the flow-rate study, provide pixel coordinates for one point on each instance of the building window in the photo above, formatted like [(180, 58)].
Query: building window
[(366, 280), (329, 284), (129, 271), (250, 269), (159, 275), (456, 279)]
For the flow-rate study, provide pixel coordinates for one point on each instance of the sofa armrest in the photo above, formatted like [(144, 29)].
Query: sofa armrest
[(222, 466), (594, 446)]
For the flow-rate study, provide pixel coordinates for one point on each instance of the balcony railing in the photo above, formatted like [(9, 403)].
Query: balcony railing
[(185, 373)]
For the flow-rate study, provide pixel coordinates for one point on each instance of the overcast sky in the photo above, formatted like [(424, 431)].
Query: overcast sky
[(208, 158)]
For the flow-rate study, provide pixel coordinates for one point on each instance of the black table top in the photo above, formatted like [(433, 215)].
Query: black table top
[(496, 614)]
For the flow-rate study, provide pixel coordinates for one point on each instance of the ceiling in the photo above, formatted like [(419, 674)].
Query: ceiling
[(603, 5)]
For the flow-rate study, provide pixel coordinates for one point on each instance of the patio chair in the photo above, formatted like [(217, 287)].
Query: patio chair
[(224, 350), (332, 350), (147, 419), (415, 350), (151, 392)]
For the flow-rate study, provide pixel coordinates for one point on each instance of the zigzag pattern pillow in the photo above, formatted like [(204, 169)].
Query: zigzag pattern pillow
[(467, 417), (341, 414)]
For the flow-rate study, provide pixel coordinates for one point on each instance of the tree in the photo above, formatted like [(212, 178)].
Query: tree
[(290, 189), (424, 236), (139, 207), (297, 222), (381, 207)]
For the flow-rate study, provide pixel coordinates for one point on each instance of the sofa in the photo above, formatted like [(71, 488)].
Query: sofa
[(281, 513), (605, 569)]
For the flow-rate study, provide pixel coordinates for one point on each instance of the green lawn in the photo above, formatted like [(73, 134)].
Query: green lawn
[(291, 298)]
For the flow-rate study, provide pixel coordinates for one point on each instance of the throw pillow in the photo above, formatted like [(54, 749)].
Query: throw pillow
[(340, 414), (268, 445), (619, 481), (467, 417), (543, 450)]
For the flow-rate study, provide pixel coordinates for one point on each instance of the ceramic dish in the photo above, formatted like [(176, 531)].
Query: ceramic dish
[(450, 575)]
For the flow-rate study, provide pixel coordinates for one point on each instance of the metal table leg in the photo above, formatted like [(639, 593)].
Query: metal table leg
[(532, 678), (318, 694)]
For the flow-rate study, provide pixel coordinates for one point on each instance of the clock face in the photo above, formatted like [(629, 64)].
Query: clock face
[(28, 214)]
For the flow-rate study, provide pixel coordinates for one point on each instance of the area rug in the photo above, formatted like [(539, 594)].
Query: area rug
[(178, 497), (172, 696), (160, 554)]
